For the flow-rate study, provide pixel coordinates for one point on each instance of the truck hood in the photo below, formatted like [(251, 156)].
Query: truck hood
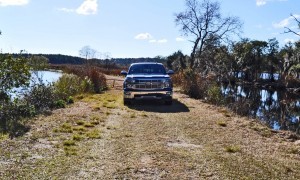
[(148, 76)]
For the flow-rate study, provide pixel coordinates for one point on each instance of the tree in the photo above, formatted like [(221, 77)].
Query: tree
[(38, 62), (249, 56), (87, 52), (272, 56), (176, 61), (202, 20), (289, 30), (14, 73)]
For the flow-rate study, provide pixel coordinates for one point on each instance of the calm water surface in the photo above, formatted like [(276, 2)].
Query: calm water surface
[(279, 109)]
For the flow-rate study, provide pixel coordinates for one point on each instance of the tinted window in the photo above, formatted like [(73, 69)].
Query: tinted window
[(147, 69)]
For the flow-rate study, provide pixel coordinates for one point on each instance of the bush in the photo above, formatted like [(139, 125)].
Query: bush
[(42, 97), (193, 84), (12, 114), (98, 80), (93, 73), (60, 104), (214, 94), (70, 84), (70, 100)]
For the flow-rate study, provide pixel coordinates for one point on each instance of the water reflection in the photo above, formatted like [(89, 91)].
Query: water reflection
[(279, 109)]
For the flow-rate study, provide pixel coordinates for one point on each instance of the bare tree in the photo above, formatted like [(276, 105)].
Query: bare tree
[(202, 20), (87, 52), (289, 30)]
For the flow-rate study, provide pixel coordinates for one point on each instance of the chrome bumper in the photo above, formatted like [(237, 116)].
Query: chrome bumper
[(147, 94)]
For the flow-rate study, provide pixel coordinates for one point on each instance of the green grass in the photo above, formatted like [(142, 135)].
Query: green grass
[(3, 136), (70, 150), (232, 149), (89, 125), (94, 134), (80, 122), (69, 143), (79, 129), (222, 123), (77, 137), (65, 128)]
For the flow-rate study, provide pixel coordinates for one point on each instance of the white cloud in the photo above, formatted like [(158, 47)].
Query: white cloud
[(66, 10), (152, 41), (264, 2), (162, 41), (282, 23), (289, 40), (143, 36), (88, 7), (149, 37), (180, 39), (285, 22), (261, 2), (13, 2)]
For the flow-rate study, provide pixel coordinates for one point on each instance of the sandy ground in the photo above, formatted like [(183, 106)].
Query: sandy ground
[(98, 137)]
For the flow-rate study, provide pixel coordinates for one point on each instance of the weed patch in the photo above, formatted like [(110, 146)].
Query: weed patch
[(232, 149), (94, 134), (222, 123), (69, 143)]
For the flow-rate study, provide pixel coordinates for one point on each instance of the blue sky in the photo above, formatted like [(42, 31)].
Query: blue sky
[(127, 28)]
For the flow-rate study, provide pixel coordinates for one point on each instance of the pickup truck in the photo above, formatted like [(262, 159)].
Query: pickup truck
[(147, 81)]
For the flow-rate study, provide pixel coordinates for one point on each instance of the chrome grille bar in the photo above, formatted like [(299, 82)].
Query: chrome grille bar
[(148, 84)]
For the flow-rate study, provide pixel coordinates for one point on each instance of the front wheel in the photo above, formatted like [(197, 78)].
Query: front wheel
[(126, 102), (169, 102)]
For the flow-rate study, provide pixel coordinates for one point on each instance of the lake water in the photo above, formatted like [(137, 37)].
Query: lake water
[(45, 77), (279, 109)]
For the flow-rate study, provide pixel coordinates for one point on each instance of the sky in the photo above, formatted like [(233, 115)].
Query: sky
[(127, 28)]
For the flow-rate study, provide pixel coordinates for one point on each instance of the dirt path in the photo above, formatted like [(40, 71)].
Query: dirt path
[(99, 138)]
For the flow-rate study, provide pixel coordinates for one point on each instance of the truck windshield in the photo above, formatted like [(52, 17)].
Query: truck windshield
[(147, 69)]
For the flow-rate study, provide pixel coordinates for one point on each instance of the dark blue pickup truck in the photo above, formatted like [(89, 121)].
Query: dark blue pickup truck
[(147, 81)]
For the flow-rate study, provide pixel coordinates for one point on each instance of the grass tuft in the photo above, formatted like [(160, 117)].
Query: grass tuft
[(94, 134), (69, 143), (65, 128), (232, 149), (222, 123), (77, 137), (80, 122), (89, 125)]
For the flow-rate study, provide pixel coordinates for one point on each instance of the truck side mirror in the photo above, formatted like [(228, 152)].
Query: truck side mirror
[(124, 72), (170, 72)]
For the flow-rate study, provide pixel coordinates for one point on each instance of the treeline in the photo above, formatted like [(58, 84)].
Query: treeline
[(245, 60), (66, 59)]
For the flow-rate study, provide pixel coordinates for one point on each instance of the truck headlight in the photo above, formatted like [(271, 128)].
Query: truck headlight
[(167, 83), (129, 82)]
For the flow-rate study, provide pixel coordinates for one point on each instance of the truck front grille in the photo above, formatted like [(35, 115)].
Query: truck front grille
[(148, 84)]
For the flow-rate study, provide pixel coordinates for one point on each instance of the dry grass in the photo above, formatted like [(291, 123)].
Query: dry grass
[(201, 142)]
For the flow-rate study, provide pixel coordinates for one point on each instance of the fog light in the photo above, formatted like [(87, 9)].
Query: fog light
[(127, 93), (169, 93)]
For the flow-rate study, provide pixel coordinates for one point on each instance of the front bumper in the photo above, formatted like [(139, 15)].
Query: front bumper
[(148, 95)]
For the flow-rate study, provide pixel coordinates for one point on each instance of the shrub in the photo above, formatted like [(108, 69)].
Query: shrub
[(60, 104), (98, 80), (70, 100), (11, 117), (70, 84), (93, 73), (193, 84), (214, 94), (42, 97)]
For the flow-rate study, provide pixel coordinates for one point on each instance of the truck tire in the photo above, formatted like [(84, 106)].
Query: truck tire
[(127, 102), (168, 102)]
